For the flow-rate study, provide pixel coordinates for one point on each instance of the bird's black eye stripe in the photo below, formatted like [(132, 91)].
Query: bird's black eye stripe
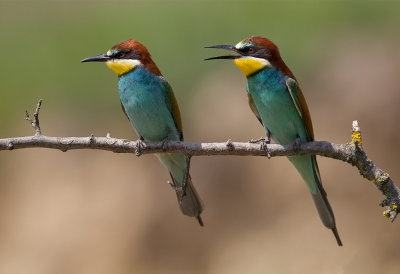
[(121, 54), (248, 50), (125, 54)]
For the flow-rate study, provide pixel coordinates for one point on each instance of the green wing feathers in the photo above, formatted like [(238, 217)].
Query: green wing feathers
[(254, 108), (300, 103), (173, 107)]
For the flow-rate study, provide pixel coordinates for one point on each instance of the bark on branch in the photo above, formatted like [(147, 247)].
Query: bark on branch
[(352, 153)]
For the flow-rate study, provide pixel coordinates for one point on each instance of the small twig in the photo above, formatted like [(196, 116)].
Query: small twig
[(356, 133), (35, 122)]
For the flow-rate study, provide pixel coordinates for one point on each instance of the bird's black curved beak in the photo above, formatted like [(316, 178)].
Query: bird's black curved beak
[(97, 58), (227, 47)]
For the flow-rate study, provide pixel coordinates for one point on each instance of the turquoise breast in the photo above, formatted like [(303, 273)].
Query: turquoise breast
[(143, 96), (275, 106)]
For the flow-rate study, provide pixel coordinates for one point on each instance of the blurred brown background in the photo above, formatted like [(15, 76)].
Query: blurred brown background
[(99, 212)]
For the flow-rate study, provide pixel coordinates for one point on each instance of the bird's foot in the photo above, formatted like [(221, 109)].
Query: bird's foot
[(140, 144), (297, 143), (164, 145), (264, 142)]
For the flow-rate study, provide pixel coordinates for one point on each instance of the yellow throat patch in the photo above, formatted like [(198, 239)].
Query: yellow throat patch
[(250, 65), (121, 66)]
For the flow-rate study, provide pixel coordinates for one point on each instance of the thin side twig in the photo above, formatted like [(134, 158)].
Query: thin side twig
[(35, 122)]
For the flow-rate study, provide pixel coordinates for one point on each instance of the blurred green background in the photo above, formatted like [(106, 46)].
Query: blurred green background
[(99, 212)]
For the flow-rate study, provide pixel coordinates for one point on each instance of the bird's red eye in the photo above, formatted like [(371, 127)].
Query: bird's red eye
[(251, 50), (122, 54)]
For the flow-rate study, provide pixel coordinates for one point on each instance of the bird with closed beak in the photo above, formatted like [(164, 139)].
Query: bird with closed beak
[(150, 105)]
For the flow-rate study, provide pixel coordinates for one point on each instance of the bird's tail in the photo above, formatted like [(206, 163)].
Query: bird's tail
[(326, 213), (188, 198), (318, 193)]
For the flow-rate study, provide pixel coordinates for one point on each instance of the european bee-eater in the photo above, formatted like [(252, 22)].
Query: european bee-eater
[(276, 99), (150, 105)]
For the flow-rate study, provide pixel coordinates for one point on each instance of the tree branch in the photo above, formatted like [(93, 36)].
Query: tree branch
[(352, 153)]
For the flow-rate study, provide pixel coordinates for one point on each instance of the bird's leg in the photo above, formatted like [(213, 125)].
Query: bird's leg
[(264, 146), (268, 137), (297, 143), (164, 143), (139, 145)]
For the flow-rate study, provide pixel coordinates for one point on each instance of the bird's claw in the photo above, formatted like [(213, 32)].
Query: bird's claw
[(264, 142), (264, 147), (140, 144), (297, 143), (164, 145)]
